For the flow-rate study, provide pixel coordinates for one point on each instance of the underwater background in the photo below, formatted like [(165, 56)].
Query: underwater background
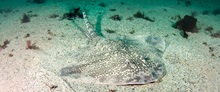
[(39, 38)]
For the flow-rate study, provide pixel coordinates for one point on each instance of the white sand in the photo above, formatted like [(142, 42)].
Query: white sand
[(190, 66)]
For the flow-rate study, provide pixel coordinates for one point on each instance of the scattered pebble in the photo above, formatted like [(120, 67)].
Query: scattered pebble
[(116, 17)]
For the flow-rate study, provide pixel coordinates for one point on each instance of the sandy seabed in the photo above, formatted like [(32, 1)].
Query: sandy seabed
[(192, 64)]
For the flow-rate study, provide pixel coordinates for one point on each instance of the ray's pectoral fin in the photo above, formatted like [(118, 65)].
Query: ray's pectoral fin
[(73, 70), (157, 42), (150, 75), (143, 78)]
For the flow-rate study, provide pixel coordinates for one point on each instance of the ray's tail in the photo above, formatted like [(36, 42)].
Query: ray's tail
[(91, 32)]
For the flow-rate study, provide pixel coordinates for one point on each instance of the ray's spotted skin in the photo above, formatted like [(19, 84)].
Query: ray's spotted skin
[(121, 61)]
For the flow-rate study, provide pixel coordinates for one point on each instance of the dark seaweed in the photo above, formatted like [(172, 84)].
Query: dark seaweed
[(38, 1), (10, 55), (209, 29), (53, 87), (69, 16), (188, 3), (72, 14), (132, 32), (102, 4), (165, 10), (76, 10), (112, 9), (216, 35), (25, 19), (187, 24), (110, 31), (49, 38), (139, 15), (27, 35), (6, 42), (216, 12), (211, 49), (31, 46), (29, 11), (205, 43)]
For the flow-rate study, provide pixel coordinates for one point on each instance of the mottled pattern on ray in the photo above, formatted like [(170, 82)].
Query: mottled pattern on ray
[(121, 61)]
